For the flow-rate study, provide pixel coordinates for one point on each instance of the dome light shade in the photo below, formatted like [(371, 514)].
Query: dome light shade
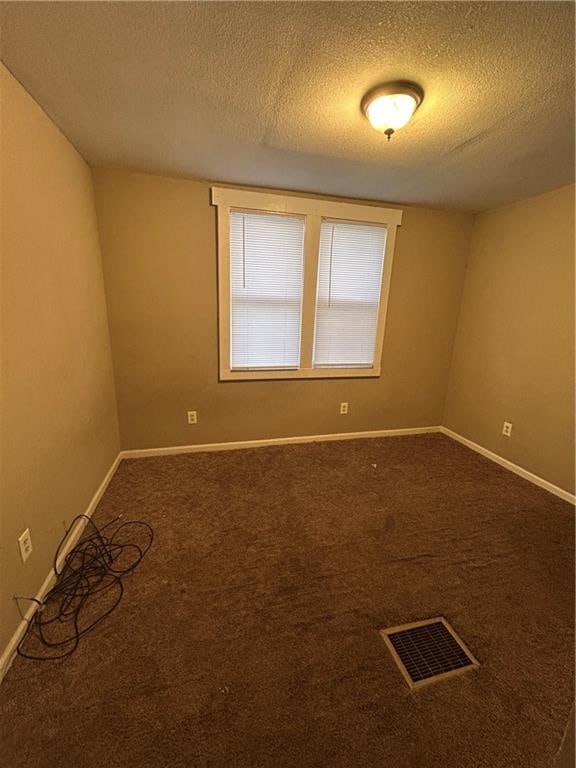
[(390, 106)]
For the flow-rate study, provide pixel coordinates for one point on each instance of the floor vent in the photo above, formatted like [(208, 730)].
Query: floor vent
[(427, 651)]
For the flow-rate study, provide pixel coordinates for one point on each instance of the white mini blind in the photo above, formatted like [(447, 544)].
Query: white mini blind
[(266, 272), (350, 266)]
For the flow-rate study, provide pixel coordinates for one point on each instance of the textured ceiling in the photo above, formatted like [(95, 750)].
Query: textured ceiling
[(268, 93)]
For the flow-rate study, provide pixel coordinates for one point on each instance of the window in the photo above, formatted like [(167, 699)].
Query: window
[(348, 296), (303, 285), (266, 267)]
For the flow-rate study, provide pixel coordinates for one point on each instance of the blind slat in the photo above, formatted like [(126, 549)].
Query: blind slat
[(266, 270), (350, 268)]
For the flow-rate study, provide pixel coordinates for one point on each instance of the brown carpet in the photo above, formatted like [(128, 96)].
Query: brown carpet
[(248, 636)]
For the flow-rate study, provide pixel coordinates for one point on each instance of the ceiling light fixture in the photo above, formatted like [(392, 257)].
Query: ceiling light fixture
[(390, 106)]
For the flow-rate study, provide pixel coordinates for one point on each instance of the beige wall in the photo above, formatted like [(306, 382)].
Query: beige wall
[(514, 352), (59, 424), (160, 266)]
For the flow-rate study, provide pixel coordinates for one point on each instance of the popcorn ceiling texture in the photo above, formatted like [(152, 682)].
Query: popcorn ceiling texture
[(248, 637), (268, 93)]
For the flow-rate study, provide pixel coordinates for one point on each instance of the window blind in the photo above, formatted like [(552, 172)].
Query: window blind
[(266, 272), (350, 265)]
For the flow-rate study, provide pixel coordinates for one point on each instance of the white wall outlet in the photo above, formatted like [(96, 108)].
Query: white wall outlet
[(192, 417), (343, 409), (25, 544), (507, 429)]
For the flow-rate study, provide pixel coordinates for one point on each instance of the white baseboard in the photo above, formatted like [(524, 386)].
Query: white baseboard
[(530, 476), (140, 453), (9, 652)]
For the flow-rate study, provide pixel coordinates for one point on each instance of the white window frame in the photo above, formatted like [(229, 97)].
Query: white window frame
[(314, 210)]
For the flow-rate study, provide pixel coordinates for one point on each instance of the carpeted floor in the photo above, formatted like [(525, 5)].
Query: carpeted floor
[(248, 636)]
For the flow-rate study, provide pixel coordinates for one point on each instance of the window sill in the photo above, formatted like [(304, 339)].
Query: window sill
[(300, 373)]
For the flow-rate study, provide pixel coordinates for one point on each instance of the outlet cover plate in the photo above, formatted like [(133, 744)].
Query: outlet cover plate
[(25, 544)]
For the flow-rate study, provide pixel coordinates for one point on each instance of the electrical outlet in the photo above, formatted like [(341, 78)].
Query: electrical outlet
[(192, 417), (507, 429), (343, 409), (25, 544)]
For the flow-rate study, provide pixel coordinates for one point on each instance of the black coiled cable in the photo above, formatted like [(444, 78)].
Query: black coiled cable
[(88, 586)]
